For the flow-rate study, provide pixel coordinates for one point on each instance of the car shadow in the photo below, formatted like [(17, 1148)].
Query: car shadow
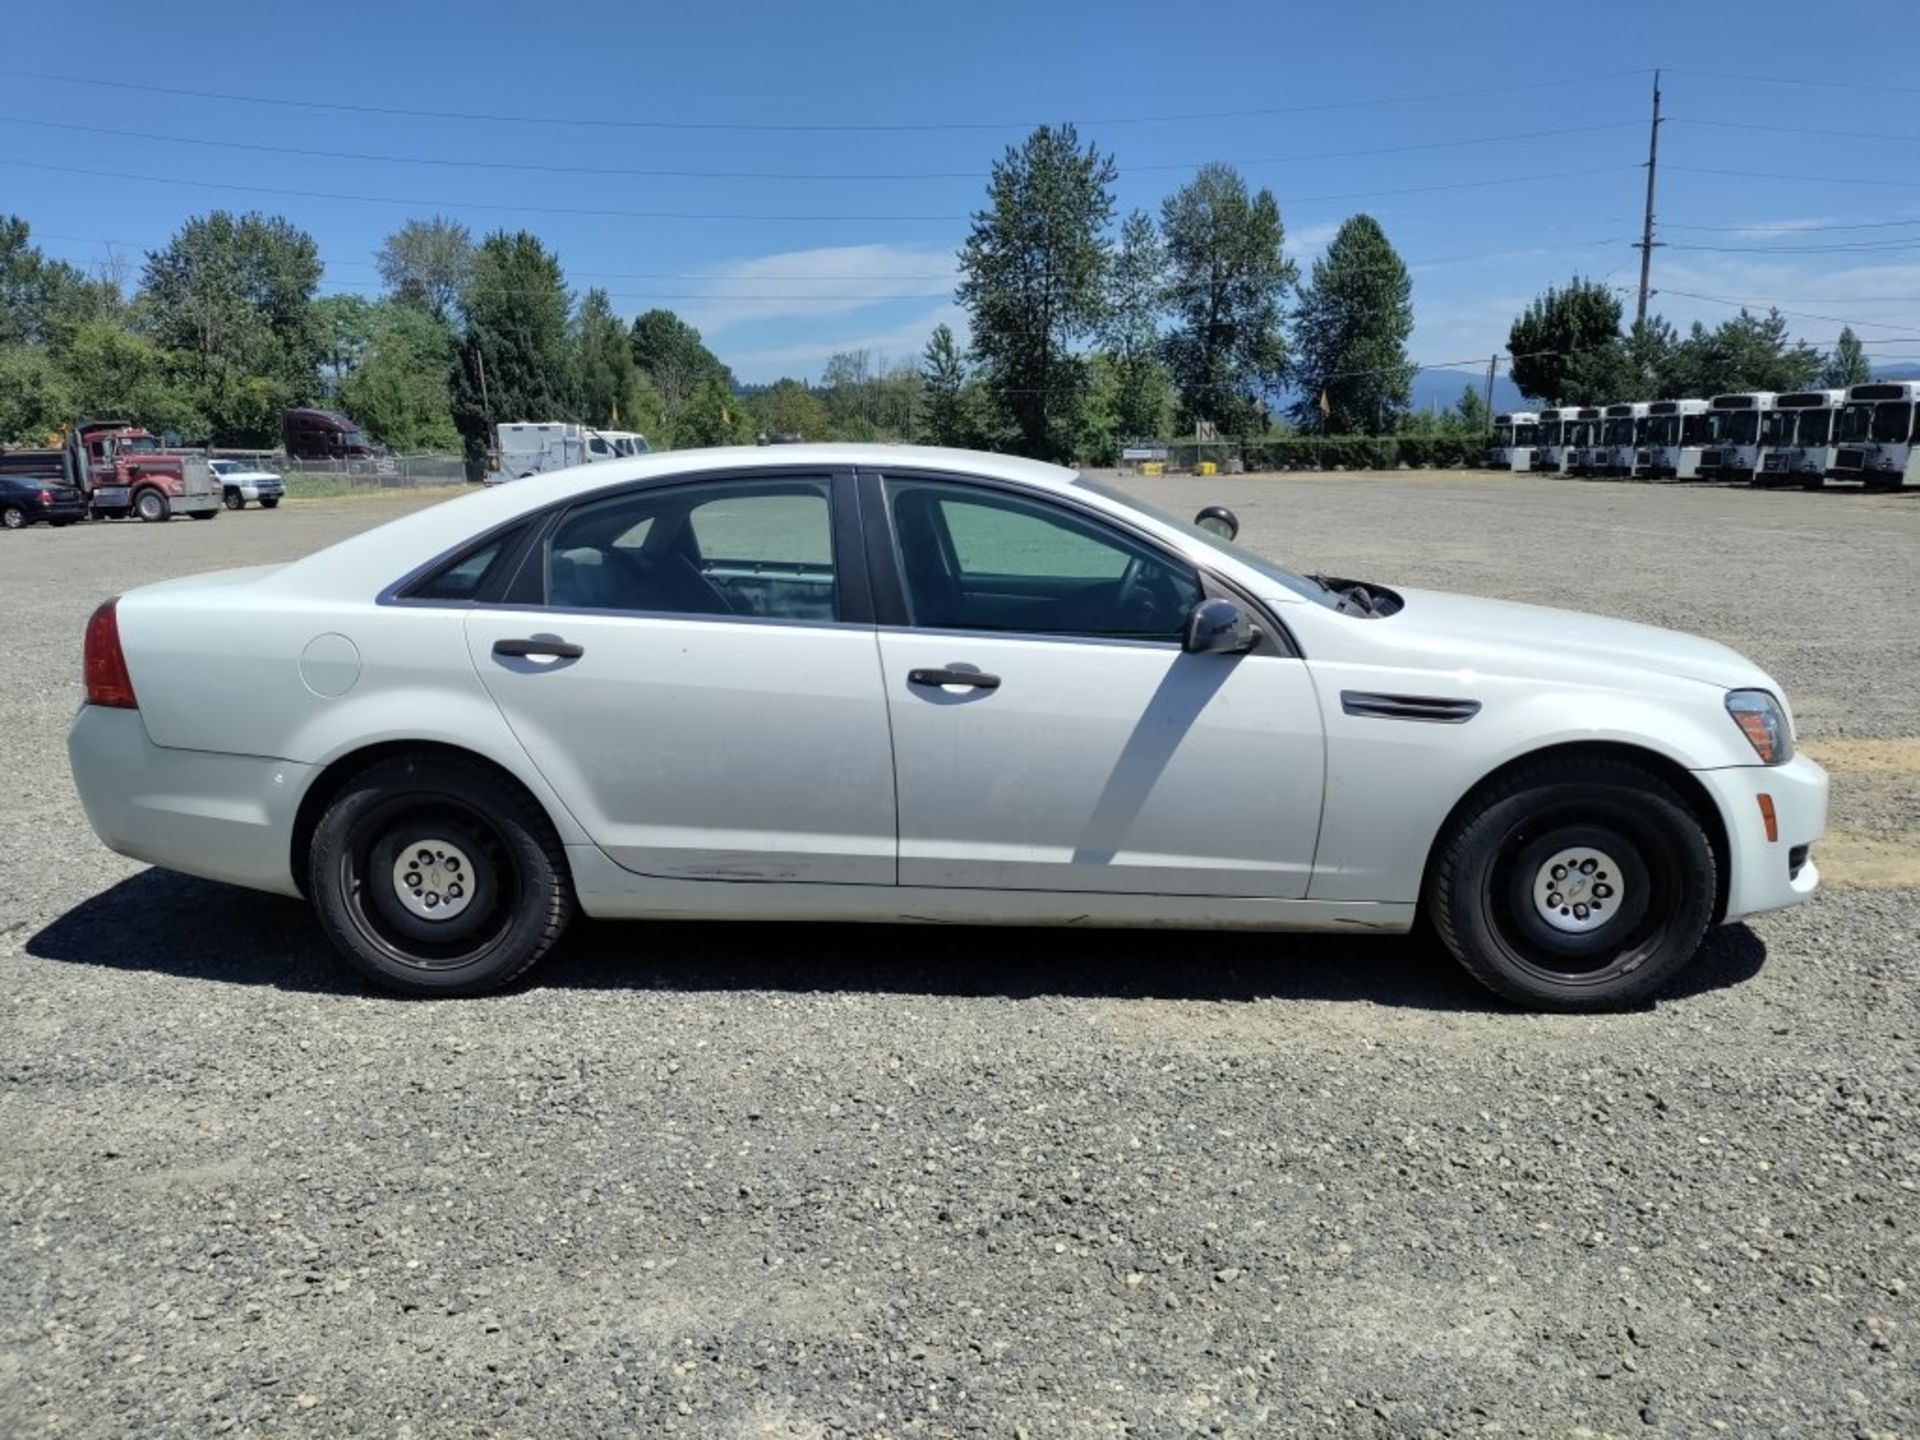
[(164, 923)]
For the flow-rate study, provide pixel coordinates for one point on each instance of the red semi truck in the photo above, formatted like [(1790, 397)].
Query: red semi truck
[(123, 470)]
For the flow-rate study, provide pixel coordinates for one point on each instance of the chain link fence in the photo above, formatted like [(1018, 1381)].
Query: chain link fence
[(333, 476)]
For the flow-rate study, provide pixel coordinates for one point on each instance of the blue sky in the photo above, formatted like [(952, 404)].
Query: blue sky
[(1503, 153)]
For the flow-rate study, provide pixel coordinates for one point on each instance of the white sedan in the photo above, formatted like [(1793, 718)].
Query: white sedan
[(842, 682)]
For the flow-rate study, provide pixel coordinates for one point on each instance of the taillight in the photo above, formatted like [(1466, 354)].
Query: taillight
[(46, 497), (105, 666)]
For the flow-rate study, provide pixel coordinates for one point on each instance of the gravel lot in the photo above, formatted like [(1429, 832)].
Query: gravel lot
[(773, 1181)]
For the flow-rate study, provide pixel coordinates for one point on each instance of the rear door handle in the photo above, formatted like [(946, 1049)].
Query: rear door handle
[(936, 678), (538, 645)]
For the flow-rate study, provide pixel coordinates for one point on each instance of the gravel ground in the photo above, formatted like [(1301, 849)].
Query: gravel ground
[(789, 1181)]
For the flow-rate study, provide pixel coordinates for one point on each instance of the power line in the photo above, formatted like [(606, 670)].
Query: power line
[(1807, 179), (1865, 247), (415, 203), (1787, 227), (1797, 80), (835, 176), (1797, 130), (1797, 314), (783, 127)]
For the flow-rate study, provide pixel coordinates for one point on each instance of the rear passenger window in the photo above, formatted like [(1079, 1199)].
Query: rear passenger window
[(463, 577), (754, 549)]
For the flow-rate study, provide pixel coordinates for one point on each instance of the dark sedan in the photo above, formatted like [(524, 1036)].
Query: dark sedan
[(24, 501)]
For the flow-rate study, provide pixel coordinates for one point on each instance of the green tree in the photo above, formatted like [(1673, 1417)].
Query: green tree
[(610, 383), (1847, 365), (36, 402), (1032, 271), (42, 300), (1747, 352), (1470, 414), (672, 356), (1351, 332), (1556, 332), (1142, 391), (399, 389), (1229, 276), (344, 325), (428, 264), (235, 296), (791, 407), (945, 414), (1640, 366), (114, 372), (514, 362), (713, 415)]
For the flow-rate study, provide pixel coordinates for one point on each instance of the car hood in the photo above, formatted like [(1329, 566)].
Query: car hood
[(1487, 633)]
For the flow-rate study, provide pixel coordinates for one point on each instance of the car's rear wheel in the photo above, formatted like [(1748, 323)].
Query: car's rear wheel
[(1581, 884), (152, 506), (437, 876), (13, 517)]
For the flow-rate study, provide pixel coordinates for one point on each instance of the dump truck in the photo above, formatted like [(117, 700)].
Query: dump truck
[(123, 470)]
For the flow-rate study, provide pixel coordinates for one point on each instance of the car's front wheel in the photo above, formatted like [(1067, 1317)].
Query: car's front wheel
[(269, 502), (234, 499), (436, 876), (1581, 884)]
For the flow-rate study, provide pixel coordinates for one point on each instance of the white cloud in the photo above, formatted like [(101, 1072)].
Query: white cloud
[(900, 342), (1306, 243), (815, 284)]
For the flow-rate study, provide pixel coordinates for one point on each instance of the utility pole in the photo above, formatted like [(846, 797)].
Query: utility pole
[(1646, 225), (1492, 360)]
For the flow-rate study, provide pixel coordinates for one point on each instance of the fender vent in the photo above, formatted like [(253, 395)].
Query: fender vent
[(1436, 710)]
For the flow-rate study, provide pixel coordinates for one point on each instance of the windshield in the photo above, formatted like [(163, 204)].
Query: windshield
[(1740, 427), (1779, 428), (1893, 422), (1618, 432), (139, 445), (1815, 427), (1663, 430), (1298, 584), (221, 467), (1502, 435), (1855, 422), (1696, 430), (1526, 433)]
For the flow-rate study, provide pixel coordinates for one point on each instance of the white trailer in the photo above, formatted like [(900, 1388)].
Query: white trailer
[(1556, 425), (533, 447), (1584, 453), (1677, 433), (1737, 436), (1513, 438), (1875, 443), (1623, 430), (1798, 437)]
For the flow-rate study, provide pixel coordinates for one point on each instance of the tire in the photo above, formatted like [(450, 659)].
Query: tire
[(14, 518), (270, 502), (1603, 831), (492, 852), (203, 514), (235, 500), (152, 506), (60, 524)]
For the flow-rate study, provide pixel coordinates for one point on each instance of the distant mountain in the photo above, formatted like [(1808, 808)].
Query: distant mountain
[(1441, 389), (1896, 372)]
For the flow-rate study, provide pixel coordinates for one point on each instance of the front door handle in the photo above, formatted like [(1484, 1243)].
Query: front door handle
[(974, 678), (539, 645)]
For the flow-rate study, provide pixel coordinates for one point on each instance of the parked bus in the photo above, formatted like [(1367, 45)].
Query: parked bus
[(1556, 425), (1677, 432), (1513, 440), (1623, 430), (1584, 455), (1797, 439), (1739, 423), (1875, 439)]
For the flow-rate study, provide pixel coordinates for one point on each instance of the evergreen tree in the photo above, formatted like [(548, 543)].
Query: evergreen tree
[(943, 382), (1558, 331), (674, 359), (1350, 332), (1032, 271), (1136, 298), (514, 362), (1847, 365), (1229, 276)]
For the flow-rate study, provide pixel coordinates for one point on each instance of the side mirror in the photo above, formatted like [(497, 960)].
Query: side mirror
[(1218, 627), (1218, 520)]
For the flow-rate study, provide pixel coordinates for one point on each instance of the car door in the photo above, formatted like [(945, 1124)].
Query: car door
[(693, 669), (1049, 731)]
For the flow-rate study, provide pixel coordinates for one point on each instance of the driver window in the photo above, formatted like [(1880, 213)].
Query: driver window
[(973, 558)]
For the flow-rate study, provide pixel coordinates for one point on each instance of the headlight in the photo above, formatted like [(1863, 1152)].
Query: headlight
[(1763, 721)]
